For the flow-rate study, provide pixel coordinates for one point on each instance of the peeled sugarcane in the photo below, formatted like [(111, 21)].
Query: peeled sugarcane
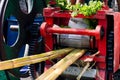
[(62, 65), (87, 65), (83, 71), (14, 63)]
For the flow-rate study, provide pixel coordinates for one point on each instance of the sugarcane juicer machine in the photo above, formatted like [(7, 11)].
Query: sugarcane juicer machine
[(104, 38)]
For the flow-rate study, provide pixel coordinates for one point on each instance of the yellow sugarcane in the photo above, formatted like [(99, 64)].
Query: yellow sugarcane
[(14, 63), (58, 68)]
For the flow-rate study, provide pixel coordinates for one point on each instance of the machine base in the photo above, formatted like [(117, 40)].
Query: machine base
[(72, 72)]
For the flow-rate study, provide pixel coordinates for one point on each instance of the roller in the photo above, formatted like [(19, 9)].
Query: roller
[(71, 40)]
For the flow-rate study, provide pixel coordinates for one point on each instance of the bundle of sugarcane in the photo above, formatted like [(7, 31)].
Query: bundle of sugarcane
[(62, 65), (14, 63)]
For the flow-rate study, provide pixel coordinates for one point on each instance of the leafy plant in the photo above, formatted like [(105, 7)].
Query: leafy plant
[(91, 23), (86, 9), (62, 4)]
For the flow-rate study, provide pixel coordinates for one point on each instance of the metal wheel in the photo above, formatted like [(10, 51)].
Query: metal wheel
[(12, 7)]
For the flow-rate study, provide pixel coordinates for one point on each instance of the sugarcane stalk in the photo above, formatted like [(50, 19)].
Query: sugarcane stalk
[(83, 71), (62, 65), (86, 66), (14, 63)]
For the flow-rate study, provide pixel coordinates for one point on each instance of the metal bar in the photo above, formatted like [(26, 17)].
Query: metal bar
[(96, 32), (14, 27)]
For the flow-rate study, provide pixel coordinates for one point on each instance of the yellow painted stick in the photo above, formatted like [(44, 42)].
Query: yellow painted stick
[(14, 63), (58, 68)]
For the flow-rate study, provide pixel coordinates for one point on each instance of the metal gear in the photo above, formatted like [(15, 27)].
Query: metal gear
[(8, 8), (110, 52)]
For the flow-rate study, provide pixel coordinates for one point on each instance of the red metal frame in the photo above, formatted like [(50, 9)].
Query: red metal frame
[(56, 16), (116, 41)]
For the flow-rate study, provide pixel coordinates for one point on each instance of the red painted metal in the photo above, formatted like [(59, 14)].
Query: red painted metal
[(101, 74), (48, 28), (116, 41), (55, 15), (95, 32), (102, 43), (52, 2), (95, 58), (48, 41)]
